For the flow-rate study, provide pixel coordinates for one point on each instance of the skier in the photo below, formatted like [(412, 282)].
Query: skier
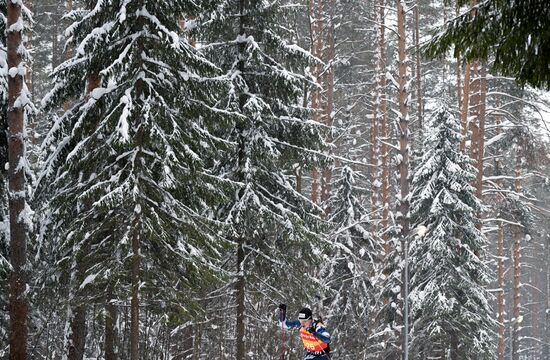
[(315, 337)]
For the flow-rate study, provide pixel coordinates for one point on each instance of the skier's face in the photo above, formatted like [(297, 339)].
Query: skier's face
[(306, 323)]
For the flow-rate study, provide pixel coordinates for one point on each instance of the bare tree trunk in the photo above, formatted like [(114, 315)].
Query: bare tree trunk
[(475, 110), (501, 309), (77, 339), (17, 191), (500, 297), (29, 75), (477, 126), (55, 40), (518, 232), (77, 342), (186, 341), (458, 72), (197, 342), (536, 315), (458, 81), (465, 107), (420, 105), (403, 208), (110, 330), (382, 114), (317, 38), (240, 297), (68, 54), (134, 303), (454, 347), (481, 144), (329, 108), (374, 155)]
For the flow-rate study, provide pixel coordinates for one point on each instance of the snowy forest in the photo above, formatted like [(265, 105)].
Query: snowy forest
[(175, 170)]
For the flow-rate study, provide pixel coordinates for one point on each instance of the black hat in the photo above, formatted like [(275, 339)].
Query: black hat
[(305, 314)]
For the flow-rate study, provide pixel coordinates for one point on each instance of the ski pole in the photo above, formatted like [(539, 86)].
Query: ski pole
[(282, 317), (326, 354)]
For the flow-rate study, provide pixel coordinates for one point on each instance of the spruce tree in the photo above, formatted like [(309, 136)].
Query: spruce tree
[(126, 162), (351, 265), (271, 224), (449, 301)]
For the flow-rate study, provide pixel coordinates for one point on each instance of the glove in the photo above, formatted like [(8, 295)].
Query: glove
[(282, 312)]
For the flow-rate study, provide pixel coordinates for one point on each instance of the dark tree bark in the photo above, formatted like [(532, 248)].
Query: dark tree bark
[(418, 69), (77, 342), (134, 303), (329, 105), (240, 297), (110, 330), (518, 234), (403, 208), (381, 112), (17, 192), (317, 41)]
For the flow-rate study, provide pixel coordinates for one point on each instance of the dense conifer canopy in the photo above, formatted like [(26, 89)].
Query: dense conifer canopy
[(513, 33)]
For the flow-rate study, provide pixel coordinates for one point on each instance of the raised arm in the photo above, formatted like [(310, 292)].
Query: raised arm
[(287, 324), (320, 332)]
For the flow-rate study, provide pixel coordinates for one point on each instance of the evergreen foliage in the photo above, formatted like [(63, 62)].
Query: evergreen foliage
[(350, 267), (271, 222), (516, 33), (187, 123), (450, 305), (128, 158)]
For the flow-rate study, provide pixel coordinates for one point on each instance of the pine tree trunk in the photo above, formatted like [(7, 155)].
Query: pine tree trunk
[(465, 107), (455, 355), (298, 173), (29, 75), (329, 106), (535, 314), (501, 295), (317, 38), (134, 304), (240, 289), (240, 297), (55, 40), (458, 71), (478, 125), (110, 323), (77, 342), (517, 273), (403, 123), (481, 144), (475, 110), (374, 156), (17, 193), (187, 343), (68, 54), (382, 113), (420, 105), (403, 208)]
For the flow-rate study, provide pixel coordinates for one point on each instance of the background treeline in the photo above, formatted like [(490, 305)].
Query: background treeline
[(191, 165)]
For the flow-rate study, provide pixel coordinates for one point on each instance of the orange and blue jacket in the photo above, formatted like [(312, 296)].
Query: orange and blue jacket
[(316, 343)]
